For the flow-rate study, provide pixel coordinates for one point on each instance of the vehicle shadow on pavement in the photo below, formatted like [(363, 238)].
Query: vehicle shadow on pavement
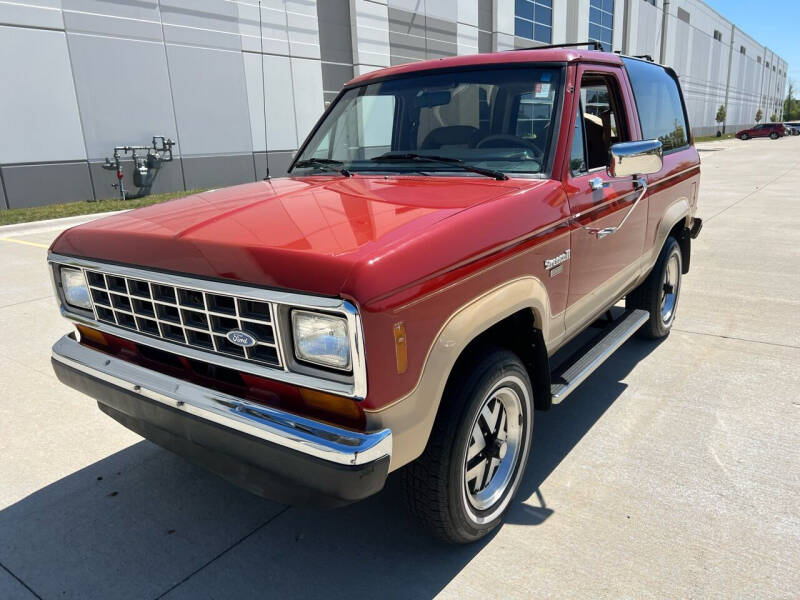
[(143, 523), (558, 430)]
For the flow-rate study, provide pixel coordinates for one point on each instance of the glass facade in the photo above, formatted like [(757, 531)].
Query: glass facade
[(601, 22), (533, 20)]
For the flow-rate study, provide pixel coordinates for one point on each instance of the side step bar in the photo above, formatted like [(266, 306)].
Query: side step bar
[(575, 370)]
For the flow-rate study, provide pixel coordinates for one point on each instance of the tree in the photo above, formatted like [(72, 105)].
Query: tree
[(774, 117), (791, 106), (759, 115), (722, 114)]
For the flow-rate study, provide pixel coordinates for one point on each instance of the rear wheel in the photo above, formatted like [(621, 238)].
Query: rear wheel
[(659, 293), (462, 485)]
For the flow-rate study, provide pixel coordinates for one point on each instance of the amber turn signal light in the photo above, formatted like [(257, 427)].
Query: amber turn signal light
[(92, 335), (400, 347)]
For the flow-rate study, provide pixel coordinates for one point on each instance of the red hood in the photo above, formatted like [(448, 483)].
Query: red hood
[(305, 234)]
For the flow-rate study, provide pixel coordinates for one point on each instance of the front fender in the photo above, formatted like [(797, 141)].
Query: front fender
[(411, 417)]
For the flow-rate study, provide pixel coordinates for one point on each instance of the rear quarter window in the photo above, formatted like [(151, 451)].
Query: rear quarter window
[(658, 101)]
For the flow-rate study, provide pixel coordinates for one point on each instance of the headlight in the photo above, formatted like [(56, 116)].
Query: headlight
[(76, 292), (321, 339)]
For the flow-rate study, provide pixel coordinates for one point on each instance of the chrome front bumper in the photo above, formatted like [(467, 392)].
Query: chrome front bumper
[(296, 447)]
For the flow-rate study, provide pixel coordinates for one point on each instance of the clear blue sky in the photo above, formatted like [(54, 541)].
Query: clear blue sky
[(773, 23)]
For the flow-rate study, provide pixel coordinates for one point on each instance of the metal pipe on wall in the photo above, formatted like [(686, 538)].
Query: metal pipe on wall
[(664, 22)]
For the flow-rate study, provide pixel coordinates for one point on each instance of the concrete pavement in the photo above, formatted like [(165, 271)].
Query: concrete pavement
[(674, 471)]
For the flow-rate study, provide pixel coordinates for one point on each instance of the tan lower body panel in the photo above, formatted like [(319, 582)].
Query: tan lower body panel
[(411, 417)]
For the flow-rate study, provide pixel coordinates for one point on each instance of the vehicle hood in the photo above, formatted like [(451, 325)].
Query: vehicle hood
[(303, 234)]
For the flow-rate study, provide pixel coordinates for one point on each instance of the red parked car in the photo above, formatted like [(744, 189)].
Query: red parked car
[(771, 130), (394, 303)]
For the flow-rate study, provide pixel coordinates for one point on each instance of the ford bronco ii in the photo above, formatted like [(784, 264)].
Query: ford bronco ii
[(394, 303)]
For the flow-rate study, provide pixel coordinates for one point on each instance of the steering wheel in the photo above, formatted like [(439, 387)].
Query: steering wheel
[(502, 140)]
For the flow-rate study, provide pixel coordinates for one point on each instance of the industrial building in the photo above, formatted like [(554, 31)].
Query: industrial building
[(238, 84)]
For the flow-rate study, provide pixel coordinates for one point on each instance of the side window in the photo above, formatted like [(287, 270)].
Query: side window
[(577, 158), (603, 120), (659, 104)]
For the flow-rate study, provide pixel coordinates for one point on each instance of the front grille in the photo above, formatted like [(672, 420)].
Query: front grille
[(189, 316)]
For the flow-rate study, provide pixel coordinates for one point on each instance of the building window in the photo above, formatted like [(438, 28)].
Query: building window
[(653, 2), (767, 65), (759, 60), (718, 35), (601, 22), (773, 68), (533, 20), (742, 50), (683, 15)]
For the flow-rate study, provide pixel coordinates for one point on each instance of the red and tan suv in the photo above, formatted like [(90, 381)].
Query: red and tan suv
[(393, 305), (770, 130)]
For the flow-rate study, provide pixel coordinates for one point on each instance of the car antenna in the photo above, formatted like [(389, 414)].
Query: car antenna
[(263, 91)]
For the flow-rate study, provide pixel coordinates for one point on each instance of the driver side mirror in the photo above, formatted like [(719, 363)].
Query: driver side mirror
[(635, 158)]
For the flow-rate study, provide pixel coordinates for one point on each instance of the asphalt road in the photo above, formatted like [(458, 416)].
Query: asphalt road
[(674, 471)]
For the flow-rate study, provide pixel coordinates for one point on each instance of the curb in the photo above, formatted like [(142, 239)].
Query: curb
[(52, 224)]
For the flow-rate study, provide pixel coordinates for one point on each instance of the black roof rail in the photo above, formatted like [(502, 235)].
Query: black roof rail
[(646, 57), (592, 44)]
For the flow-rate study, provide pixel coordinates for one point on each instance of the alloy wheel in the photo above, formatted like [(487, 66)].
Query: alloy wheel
[(669, 289), (494, 448)]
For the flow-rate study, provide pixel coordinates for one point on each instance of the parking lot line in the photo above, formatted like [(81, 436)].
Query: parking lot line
[(25, 242)]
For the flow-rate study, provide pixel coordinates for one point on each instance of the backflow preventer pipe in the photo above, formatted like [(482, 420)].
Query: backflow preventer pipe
[(145, 168)]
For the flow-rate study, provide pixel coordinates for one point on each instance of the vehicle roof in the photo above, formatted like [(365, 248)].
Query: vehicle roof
[(546, 55)]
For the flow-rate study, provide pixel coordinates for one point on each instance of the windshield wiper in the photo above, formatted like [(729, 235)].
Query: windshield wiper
[(456, 162), (326, 164)]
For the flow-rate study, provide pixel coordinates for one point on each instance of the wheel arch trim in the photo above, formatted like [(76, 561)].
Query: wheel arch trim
[(680, 210), (412, 416)]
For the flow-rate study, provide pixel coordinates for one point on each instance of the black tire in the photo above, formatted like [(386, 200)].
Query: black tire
[(745, 137), (657, 293), (773, 136), (437, 490)]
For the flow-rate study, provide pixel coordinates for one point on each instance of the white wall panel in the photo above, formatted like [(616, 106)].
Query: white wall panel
[(38, 109), (303, 31), (447, 10), (121, 102), (467, 39), (146, 10), (210, 96), (33, 13), (209, 23), (273, 27), (308, 97), (371, 27), (468, 12), (504, 17), (279, 93)]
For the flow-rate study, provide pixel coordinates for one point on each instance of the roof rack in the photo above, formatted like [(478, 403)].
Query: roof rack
[(592, 44), (646, 57)]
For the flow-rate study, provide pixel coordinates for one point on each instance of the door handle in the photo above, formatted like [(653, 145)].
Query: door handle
[(638, 183)]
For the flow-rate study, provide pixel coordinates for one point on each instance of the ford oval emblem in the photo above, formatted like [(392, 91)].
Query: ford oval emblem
[(240, 338)]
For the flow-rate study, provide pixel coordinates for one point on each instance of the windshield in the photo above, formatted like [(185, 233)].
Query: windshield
[(499, 119)]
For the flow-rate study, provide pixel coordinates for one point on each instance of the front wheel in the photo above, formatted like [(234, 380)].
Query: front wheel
[(745, 136), (658, 294), (773, 136), (462, 485)]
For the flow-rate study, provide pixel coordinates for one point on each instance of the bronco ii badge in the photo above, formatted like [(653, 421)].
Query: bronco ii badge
[(551, 263), (240, 338)]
